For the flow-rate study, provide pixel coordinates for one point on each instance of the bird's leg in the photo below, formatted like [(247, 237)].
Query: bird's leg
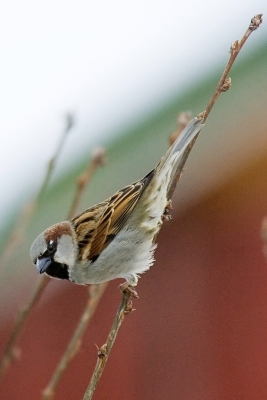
[(126, 287), (166, 216)]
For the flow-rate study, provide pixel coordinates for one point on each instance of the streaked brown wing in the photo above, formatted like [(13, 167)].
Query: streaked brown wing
[(85, 226), (97, 226), (119, 208)]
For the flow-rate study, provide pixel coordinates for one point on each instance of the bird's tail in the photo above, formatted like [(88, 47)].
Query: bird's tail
[(169, 164), (183, 140)]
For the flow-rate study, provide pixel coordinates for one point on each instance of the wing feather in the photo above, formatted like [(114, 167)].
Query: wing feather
[(97, 226), (85, 226)]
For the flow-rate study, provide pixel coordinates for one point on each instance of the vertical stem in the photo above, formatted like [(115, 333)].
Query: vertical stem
[(104, 351)]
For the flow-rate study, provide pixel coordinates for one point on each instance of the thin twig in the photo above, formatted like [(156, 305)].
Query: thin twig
[(224, 82), (18, 232), (104, 351), (10, 350), (15, 240), (96, 292), (223, 85), (53, 160), (98, 160)]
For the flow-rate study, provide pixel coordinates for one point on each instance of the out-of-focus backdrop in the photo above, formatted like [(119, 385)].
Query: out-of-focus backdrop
[(125, 71)]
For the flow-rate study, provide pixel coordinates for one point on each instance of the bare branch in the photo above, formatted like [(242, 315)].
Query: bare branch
[(54, 159), (96, 292), (10, 351), (98, 160), (104, 351), (223, 85), (15, 240), (27, 211), (224, 82)]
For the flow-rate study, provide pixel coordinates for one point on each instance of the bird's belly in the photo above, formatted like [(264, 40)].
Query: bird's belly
[(130, 253)]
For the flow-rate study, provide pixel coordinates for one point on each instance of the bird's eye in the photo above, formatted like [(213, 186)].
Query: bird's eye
[(51, 247)]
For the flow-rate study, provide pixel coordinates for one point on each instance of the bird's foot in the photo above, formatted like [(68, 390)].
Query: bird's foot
[(129, 307), (166, 216), (126, 287)]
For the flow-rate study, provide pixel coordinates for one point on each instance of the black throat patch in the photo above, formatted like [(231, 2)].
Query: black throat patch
[(57, 270)]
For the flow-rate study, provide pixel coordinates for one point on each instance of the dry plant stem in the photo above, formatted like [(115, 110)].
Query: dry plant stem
[(53, 160), (10, 350), (81, 183), (9, 353), (104, 351), (12, 244), (223, 84), (26, 213), (98, 160), (96, 292)]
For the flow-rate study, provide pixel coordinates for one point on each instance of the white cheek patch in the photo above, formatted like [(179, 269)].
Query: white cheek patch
[(66, 251)]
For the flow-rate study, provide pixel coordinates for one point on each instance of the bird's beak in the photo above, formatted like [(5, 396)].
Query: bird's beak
[(42, 264)]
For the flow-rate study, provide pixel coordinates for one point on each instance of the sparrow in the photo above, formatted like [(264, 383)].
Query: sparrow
[(115, 238)]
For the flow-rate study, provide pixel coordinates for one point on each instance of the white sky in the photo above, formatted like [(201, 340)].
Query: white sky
[(105, 61)]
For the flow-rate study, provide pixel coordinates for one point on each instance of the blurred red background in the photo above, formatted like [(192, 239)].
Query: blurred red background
[(200, 326)]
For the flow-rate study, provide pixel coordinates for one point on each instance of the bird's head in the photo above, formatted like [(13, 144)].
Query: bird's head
[(54, 251)]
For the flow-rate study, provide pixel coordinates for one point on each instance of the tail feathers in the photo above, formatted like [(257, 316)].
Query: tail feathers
[(167, 168), (183, 140)]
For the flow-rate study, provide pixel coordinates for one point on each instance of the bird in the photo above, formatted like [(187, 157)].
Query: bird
[(115, 238)]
